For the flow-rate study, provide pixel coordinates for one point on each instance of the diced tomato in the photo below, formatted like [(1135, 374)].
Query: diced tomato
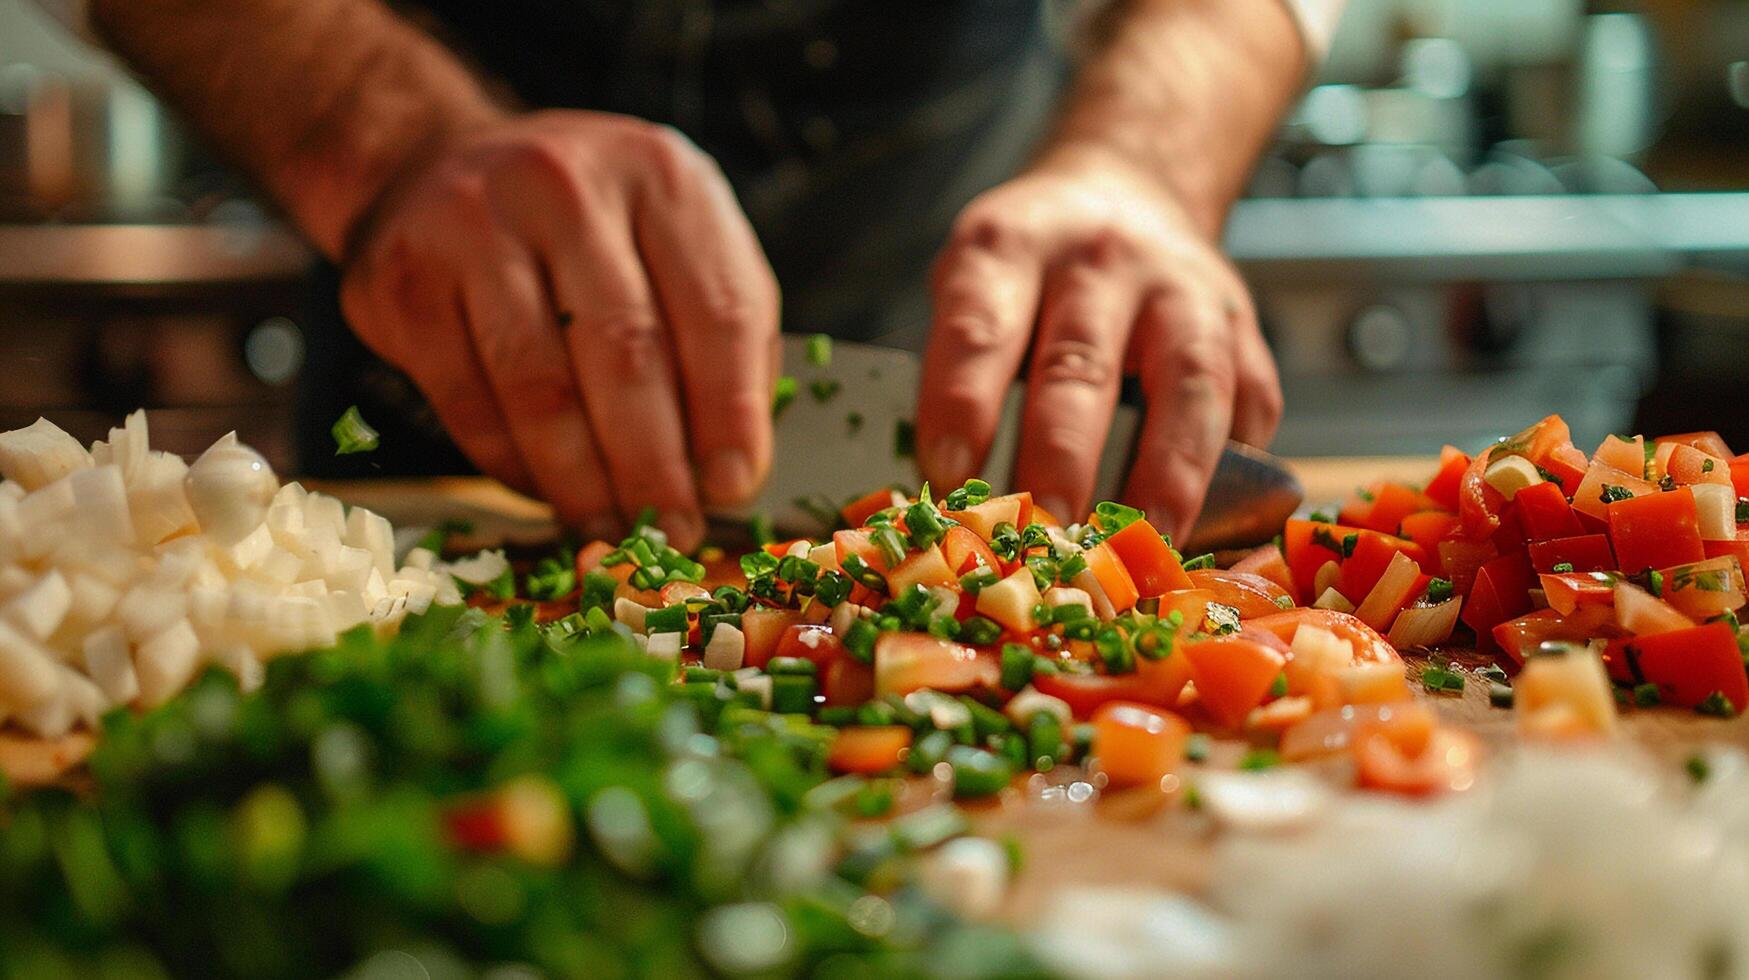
[(1519, 638), (1460, 559), (858, 543), (1641, 613), (777, 549), (1655, 531), (1567, 591), (1113, 577), (1372, 555), (1740, 474), (1705, 589), (1392, 502), (1386, 759), (589, 557), (763, 629), (926, 568), (1602, 478), (1710, 443), (1479, 505), (1357, 507), (1443, 488), (1688, 465), (1268, 562), (868, 749), (1148, 559), (1627, 455), (1585, 552), (858, 511), (1544, 513), (1548, 444), (810, 642), (1738, 549), (1501, 592), (1192, 604), (1509, 536), (1369, 646), (964, 551), (1309, 544), (847, 682), (1137, 744), (1396, 588), (906, 662), (1155, 682), (1252, 595), (1336, 729), (1232, 675), (1427, 529), (1013, 508), (1690, 665)]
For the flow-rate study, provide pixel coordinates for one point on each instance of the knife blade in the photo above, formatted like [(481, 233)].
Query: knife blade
[(839, 439)]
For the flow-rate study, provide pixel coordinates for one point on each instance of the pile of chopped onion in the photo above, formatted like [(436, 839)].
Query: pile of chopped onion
[(124, 571)]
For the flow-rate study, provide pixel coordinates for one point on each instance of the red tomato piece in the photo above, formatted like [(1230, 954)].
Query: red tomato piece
[(1393, 502), (1627, 455), (1585, 552), (1544, 513), (847, 681), (964, 550), (1427, 529), (1443, 488), (858, 511), (1308, 545), (1655, 531), (1710, 443), (1519, 638), (1447, 761), (1688, 465), (1252, 595), (1569, 590), (1369, 646), (868, 749), (906, 662), (1501, 592), (1137, 744), (1740, 474), (1156, 682), (1460, 559), (1738, 549), (1372, 555), (763, 630), (1113, 577), (1149, 559), (1232, 674), (807, 641), (1690, 665), (1268, 562), (858, 543)]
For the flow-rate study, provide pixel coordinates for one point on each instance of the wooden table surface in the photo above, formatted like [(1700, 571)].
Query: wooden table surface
[(1122, 839)]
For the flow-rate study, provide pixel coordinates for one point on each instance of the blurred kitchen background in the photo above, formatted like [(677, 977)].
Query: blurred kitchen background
[(1483, 211)]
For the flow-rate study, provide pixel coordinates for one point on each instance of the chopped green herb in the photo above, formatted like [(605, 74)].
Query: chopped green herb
[(1437, 679), (1743, 510), (854, 422), (1499, 694), (1562, 567), (1257, 760), (1655, 582), (1114, 517), (820, 350), (1717, 706), (1706, 466), (1364, 494), (1321, 517), (1612, 493), (783, 395), (352, 434), (904, 439), (1439, 590), (1647, 696), (1349, 543), (1199, 562), (1278, 687), (1698, 768), (824, 390), (1196, 747)]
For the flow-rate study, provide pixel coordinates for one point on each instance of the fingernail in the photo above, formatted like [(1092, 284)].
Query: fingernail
[(685, 528), (949, 458), (1057, 507), (728, 477)]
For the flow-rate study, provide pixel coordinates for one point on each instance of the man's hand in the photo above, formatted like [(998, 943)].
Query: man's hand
[(1100, 270), (588, 311)]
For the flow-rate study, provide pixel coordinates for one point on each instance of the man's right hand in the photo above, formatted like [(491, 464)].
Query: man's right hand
[(588, 311)]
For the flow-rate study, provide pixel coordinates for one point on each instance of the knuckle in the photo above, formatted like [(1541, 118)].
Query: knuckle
[(632, 346), (972, 329), (1068, 358), (1107, 247), (984, 229), (1066, 445), (670, 159)]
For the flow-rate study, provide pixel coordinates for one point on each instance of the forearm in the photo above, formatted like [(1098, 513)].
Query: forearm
[(322, 101), (1187, 91)]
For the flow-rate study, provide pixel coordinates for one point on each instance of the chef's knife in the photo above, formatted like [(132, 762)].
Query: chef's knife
[(839, 438)]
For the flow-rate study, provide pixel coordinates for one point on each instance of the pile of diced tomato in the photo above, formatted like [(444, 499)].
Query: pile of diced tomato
[(1636, 550)]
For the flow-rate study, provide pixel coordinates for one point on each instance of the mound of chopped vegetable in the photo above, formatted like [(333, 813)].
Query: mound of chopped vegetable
[(478, 790)]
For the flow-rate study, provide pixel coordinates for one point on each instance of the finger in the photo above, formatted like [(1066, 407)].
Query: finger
[(1188, 378), (515, 334), (619, 349), (1257, 405), (1084, 327), (408, 314), (985, 293), (720, 301)]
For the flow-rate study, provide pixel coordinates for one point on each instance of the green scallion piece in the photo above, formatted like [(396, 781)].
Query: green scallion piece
[(352, 434)]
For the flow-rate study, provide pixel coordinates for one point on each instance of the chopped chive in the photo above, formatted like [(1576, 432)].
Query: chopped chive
[(820, 350), (1016, 666), (1562, 567), (1499, 694), (1697, 768), (1439, 590), (352, 434), (1257, 760), (782, 395), (1199, 562), (1647, 696), (824, 390)]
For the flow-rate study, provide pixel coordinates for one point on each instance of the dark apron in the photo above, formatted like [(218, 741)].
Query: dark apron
[(853, 132)]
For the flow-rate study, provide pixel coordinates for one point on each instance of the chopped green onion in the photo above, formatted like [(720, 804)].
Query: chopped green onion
[(979, 631), (1016, 666), (1257, 760), (1070, 567), (598, 590), (976, 580), (352, 434), (1114, 517), (1070, 612), (1349, 543), (669, 619), (891, 546), (1436, 679), (859, 640), (853, 422), (831, 588), (820, 350), (944, 627), (977, 772), (1439, 590), (1612, 493), (782, 395), (1499, 694), (1199, 562), (1196, 747), (1278, 687), (1717, 705), (1562, 567), (824, 390), (1114, 651), (1320, 517), (1697, 768), (1647, 696), (973, 493), (863, 573)]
